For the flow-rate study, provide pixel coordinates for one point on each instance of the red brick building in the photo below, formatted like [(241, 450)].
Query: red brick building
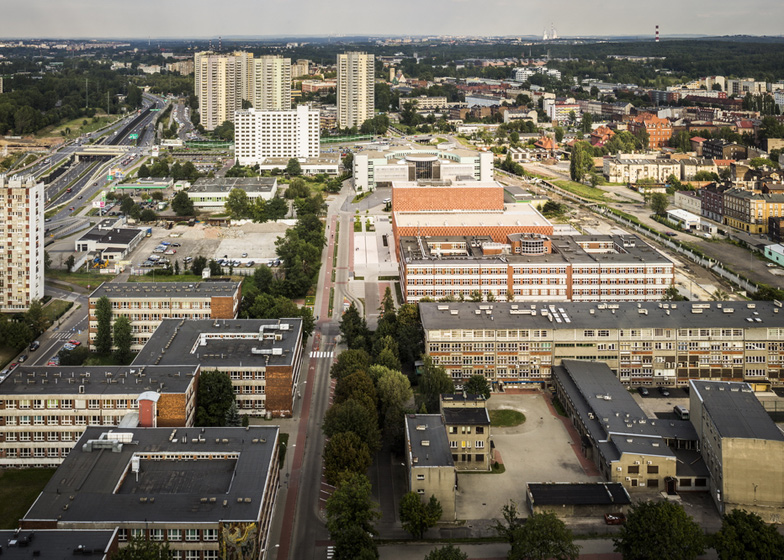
[(659, 130)]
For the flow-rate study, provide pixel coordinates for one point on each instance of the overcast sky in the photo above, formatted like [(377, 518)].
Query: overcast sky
[(203, 18)]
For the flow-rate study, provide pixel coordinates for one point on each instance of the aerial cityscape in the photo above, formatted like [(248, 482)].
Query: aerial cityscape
[(331, 283)]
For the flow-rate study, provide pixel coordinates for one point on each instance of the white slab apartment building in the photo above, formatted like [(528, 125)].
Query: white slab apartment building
[(259, 135)]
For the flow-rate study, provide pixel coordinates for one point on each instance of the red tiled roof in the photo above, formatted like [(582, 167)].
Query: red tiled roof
[(698, 139)]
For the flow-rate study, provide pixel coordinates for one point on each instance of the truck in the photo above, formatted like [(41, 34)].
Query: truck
[(148, 233)]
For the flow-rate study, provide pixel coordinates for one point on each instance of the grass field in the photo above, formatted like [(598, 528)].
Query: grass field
[(505, 418), (76, 126), (584, 191), (55, 308), (83, 279), (19, 488)]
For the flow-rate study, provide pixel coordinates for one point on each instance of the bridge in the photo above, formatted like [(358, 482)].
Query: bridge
[(103, 150)]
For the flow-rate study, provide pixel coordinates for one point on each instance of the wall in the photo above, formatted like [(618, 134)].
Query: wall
[(439, 482), (754, 477)]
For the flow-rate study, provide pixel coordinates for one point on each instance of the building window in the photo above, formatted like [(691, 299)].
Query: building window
[(633, 469), (156, 534), (653, 483), (192, 554), (191, 534), (420, 477), (122, 535), (174, 535), (210, 535), (210, 555), (653, 469)]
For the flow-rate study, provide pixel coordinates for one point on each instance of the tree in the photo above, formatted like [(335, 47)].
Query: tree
[(544, 536), (659, 203), (448, 552), (745, 535), (233, 416), (122, 339), (345, 452), (581, 161), (353, 327), (225, 131), (214, 398), (293, 168), (506, 528), (69, 263), (394, 390), (656, 530), (587, 123), (559, 133), (672, 294), (416, 516), (237, 204), (297, 189), (182, 204), (358, 386), (477, 385), (35, 318), (433, 383), (351, 505), (349, 362), (140, 548), (148, 215), (144, 171), (353, 416), (719, 295), (352, 543), (103, 314), (198, 265)]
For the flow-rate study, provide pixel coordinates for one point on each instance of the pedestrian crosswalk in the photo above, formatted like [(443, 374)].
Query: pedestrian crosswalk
[(65, 335), (316, 354)]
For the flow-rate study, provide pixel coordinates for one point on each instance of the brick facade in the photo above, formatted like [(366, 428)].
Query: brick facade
[(430, 198)]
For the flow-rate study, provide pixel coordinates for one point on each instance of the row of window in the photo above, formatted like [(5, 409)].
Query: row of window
[(171, 535), (68, 404), (35, 452)]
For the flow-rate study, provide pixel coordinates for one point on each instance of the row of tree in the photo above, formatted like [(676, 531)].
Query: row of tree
[(18, 331), (239, 206)]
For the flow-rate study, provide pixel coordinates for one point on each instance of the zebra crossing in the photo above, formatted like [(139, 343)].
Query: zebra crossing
[(317, 354), (65, 335)]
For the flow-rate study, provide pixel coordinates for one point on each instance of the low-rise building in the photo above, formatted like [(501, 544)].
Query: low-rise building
[(527, 267), (750, 211), (690, 201), (45, 410), (58, 544), (684, 219), (262, 357), (374, 169), (691, 166), (659, 130), (467, 425), (110, 241), (716, 148), (146, 304), (214, 192), (431, 470), (425, 103), (577, 499), (208, 493), (742, 447), (644, 343), (628, 168)]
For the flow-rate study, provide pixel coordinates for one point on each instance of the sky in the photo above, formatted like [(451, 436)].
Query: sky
[(208, 19)]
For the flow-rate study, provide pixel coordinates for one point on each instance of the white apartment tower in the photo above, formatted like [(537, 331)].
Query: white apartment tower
[(21, 242), (356, 93), (272, 83), (222, 82), (259, 135)]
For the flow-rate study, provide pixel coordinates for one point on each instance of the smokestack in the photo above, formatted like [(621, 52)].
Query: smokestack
[(657, 33)]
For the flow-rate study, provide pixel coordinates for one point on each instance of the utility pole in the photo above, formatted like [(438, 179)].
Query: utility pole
[(107, 102), (85, 94)]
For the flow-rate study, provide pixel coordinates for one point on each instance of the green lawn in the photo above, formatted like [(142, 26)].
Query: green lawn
[(584, 191), (55, 309), (76, 126), (506, 418), (19, 488), (83, 279)]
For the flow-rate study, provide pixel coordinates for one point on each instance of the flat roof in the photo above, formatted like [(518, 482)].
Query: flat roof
[(401, 153), (466, 416), (226, 184), (607, 409), (428, 445), (225, 342), (166, 290), (585, 315), (116, 236), (53, 544), (735, 411), (520, 214), (85, 487), (97, 380), (578, 494), (690, 463)]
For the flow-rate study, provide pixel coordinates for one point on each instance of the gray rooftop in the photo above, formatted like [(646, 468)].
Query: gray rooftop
[(166, 290), (98, 486), (117, 236), (608, 411), (55, 544), (583, 315), (462, 416), (219, 343), (735, 410), (690, 463), (427, 442), (582, 494), (226, 184), (97, 380)]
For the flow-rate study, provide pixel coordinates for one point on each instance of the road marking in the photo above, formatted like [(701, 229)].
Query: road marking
[(316, 354)]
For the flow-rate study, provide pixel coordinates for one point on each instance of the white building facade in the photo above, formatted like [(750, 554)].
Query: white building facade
[(259, 135), (356, 88), (22, 242), (272, 83)]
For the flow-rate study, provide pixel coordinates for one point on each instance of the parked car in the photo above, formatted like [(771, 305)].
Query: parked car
[(249, 264), (22, 358), (643, 391), (187, 259), (75, 342), (664, 391), (614, 518), (176, 245), (670, 233), (244, 255), (35, 345)]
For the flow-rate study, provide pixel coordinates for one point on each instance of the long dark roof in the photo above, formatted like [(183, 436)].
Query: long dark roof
[(578, 494)]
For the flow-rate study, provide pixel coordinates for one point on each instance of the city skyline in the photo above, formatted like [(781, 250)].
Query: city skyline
[(178, 19)]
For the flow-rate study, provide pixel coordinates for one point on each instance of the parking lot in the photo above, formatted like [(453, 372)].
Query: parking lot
[(539, 450), (241, 244)]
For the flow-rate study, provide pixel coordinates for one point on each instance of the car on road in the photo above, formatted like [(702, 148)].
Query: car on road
[(22, 358), (13, 366), (187, 259), (770, 265), (75, 342), (34, 346), (670, 233), (71, 208), (244, 255), (176, 245)]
